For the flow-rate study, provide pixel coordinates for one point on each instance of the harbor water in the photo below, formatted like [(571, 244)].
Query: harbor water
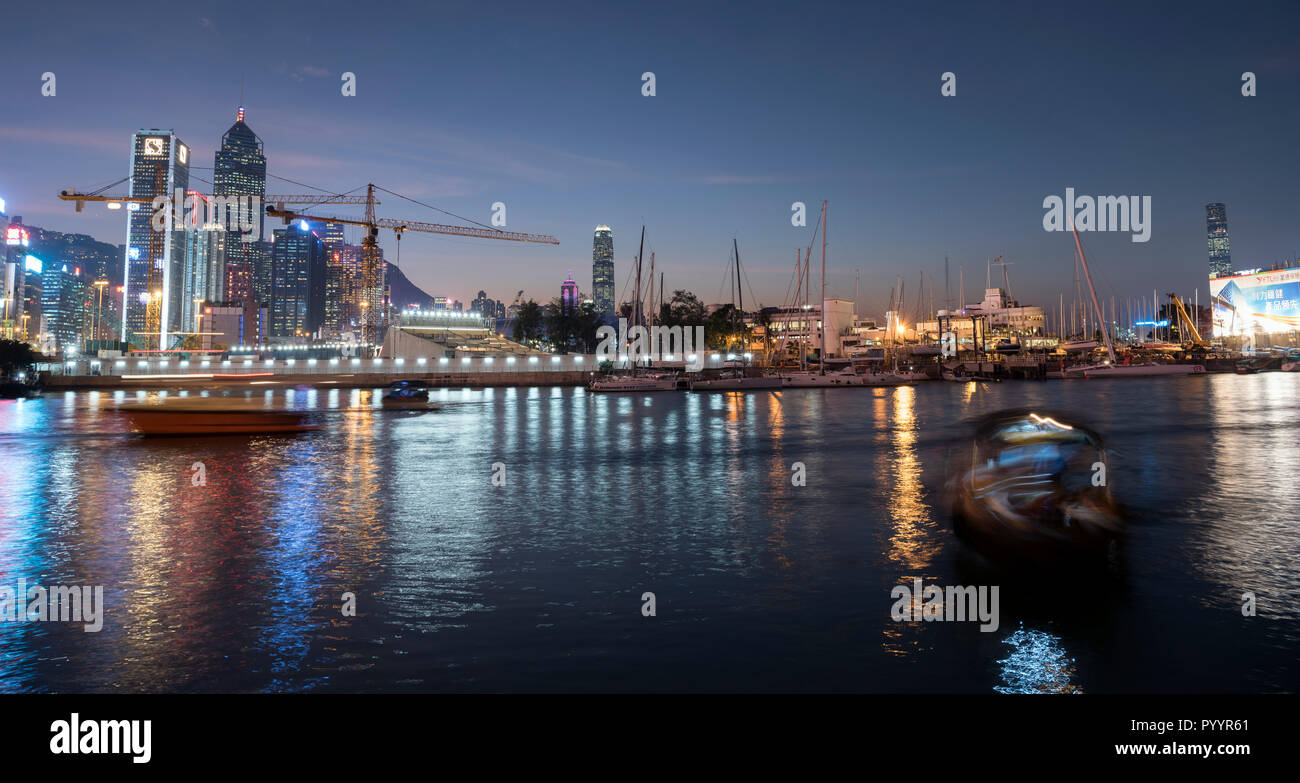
[(507, 541)]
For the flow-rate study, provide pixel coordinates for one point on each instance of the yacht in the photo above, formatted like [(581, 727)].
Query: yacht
[(800, 379), (735, 380), (637, 383), (1107, 370)]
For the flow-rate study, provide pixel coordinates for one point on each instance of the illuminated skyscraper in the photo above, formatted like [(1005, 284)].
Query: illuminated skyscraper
[(203, 276), (602, 271), (239, 169), (298, 277), (160, 165), (569, 292), (63, 305), (1216, 230)]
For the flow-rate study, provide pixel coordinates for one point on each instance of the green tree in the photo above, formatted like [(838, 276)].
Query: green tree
[(15, 357), (529, 328), (684, 309)]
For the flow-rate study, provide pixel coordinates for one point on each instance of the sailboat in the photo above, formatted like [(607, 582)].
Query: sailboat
[(736, 379), (1109, 368)]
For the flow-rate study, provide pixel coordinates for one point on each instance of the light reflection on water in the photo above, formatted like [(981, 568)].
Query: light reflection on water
[(760, 584)]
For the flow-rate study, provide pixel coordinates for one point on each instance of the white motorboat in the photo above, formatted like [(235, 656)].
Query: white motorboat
[(1131, 370), (810, 379), (736, 381), (637, 383), (894, 378)]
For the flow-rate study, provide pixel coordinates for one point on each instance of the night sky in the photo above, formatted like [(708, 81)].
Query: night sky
[(539, 105)]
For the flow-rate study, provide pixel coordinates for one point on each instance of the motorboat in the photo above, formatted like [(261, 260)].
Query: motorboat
[(1107, 370), (192, 416), (637, 383), (894, 377), (811, 379), (406, 395), (1036, 490), (736, 380)]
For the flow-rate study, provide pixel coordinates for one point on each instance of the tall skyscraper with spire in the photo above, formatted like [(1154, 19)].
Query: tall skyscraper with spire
[(1216, 232), (239, 169), (602, 271)]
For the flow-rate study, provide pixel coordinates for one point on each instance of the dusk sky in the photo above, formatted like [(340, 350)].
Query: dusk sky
[(539, 106)]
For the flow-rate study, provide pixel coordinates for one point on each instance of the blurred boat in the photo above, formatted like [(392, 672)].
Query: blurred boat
[(212, 416), (405, 395), (1036, 490)]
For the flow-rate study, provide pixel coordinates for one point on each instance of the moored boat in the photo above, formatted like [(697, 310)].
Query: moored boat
[(736, 381), (637, 383), (811, 379), (1106, 370)]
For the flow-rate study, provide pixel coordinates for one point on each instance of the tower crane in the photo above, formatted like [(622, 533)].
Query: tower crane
[(372, 271)]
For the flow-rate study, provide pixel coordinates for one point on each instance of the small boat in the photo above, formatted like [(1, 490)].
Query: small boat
[(811, 379), (736, 380), (404, 395), (1106, 370), (637, 383), (895, 378), (1291, 363), (1036, 491), (212, 416)]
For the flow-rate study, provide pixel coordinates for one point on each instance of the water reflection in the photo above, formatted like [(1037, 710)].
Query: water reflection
[(762, 584)]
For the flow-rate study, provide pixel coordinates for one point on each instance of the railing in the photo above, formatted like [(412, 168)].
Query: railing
[(131, 367)]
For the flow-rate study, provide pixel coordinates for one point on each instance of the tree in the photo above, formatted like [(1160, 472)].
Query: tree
[(725, 330), (15, 357), (572, 328), (684, 309), (528, 324)]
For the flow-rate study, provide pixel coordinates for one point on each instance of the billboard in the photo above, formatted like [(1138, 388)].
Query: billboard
[(1264, 302)]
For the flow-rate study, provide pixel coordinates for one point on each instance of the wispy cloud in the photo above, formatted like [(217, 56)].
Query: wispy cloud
[(114, 141), (735, 179), (308, 70)]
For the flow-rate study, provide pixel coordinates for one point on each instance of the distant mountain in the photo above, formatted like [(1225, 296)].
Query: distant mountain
[(402, 292), (95, 259)]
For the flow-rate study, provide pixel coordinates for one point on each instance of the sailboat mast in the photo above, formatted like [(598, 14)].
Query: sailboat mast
[(740, 312), (1110, 348), (822, 363), (636, 302)]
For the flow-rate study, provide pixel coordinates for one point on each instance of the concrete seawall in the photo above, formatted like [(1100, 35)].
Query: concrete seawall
[(347, 381)]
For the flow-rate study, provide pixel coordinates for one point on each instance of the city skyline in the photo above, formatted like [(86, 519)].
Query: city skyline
[(912, 177)]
